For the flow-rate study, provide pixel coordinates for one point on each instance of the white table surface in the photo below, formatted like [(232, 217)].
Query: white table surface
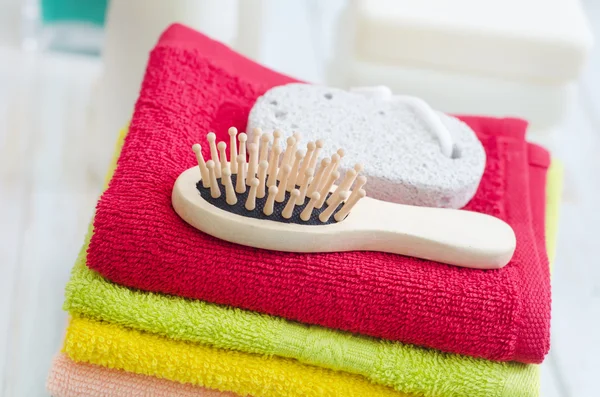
[(49, 185)]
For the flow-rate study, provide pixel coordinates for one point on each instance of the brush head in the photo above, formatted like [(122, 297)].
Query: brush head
[(281, 190)]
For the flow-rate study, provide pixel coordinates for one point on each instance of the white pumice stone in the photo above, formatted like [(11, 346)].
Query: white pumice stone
[(401, 154)]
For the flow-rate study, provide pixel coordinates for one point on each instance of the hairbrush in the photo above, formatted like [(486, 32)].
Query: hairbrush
[(287, 200)]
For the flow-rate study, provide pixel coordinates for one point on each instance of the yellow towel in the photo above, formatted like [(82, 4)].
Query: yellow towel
[(117, 347)]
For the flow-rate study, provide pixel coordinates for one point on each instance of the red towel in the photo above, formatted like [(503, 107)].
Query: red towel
[(194, 85)]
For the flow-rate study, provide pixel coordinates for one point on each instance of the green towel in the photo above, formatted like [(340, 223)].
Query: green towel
[(406, 368)]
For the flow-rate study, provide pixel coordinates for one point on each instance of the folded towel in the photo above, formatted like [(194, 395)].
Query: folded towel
[(406, 368), (70, 379), (143, 353), (194, 85), (389, 364)]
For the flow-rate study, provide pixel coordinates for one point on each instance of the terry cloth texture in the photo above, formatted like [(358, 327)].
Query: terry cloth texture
[(406, 368), (90, 295), (143, 353), (194, 85), (539, 160), (70, 379)]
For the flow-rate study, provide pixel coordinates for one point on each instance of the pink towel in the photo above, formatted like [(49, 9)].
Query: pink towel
[(70, 379), (194, 85)]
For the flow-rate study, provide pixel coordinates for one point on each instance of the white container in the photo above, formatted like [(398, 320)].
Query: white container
[(515, 58), (132, 29)]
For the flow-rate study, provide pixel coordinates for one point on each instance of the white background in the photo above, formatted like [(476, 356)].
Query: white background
[(48, 187)]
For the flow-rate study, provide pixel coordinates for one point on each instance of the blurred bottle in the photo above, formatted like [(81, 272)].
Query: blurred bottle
[(64, 25)]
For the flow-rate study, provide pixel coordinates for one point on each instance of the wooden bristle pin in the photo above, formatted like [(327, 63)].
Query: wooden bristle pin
[(345, 185), (304, 187), (325, 215), (256, 135), (288, 154), (251, 200), (284, 180), (335, 158), (297, 137), (262, 176), (273, 165), (215, 191), (315, 156), (340, 153), (280, 174), (214, 155), (316, 182), (268, 208), (230, 195), (233, 148), (252, 163), (264, 148), (306, 214), (240, 185), (273, 158), (201, 164), (222, 146), (358, 167), (276, 137), (350, 203), (360, 182), (327, 187), (291, 184), (310, 148), (243, 138), (288, 210)]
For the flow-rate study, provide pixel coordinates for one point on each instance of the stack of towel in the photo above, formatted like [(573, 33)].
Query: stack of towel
[(160, 309)]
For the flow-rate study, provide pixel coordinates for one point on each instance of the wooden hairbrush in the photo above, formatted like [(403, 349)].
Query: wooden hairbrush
[(286, 200)]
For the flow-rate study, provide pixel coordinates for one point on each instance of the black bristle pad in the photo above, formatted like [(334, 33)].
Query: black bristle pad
[(239, 208)]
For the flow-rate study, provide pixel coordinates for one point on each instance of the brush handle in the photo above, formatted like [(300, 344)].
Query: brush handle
[(457, 237)]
